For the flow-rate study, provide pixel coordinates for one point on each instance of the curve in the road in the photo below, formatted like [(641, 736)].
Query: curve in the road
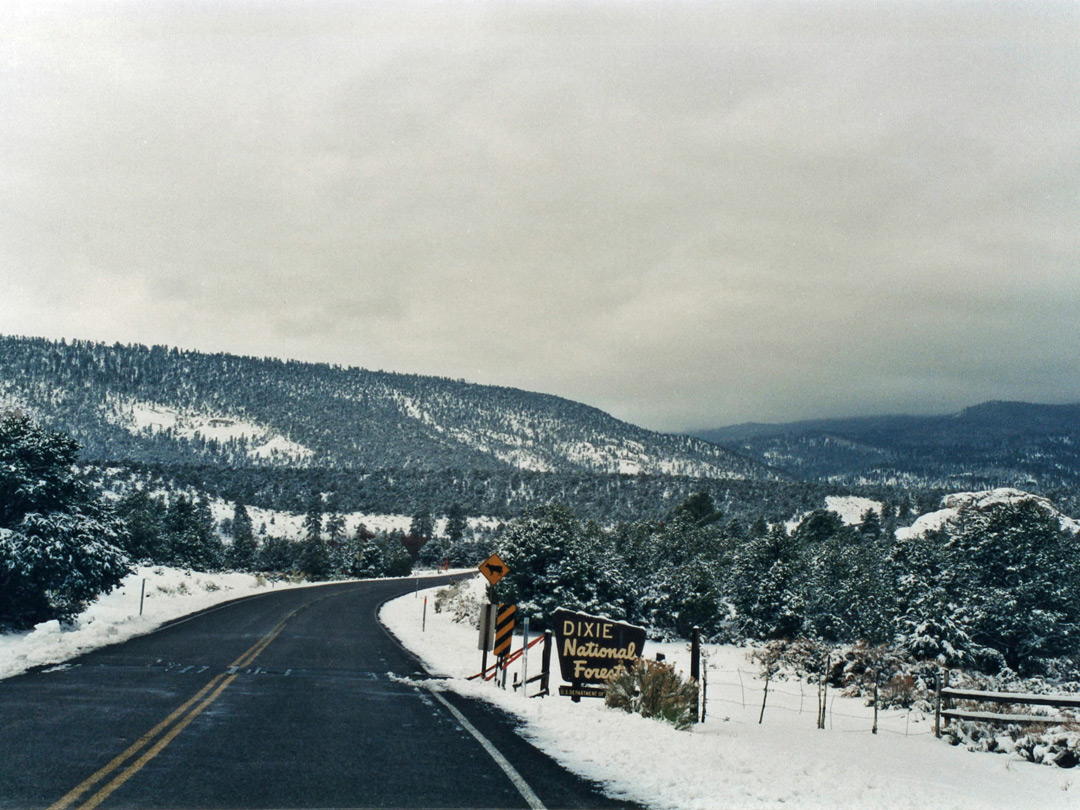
[(307, 702)]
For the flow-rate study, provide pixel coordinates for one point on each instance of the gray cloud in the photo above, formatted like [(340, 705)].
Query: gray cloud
[(688, 214)]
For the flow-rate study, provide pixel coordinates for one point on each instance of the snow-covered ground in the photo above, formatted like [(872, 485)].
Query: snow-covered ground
[(731, 761), (851, 508)]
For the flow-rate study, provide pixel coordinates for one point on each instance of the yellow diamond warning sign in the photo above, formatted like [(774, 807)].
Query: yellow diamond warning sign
[(494, 569)]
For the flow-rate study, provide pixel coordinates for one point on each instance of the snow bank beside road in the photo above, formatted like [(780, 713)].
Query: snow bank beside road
[(731, 761), (170, 594)]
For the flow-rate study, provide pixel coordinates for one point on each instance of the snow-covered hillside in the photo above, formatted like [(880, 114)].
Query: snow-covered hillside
[(952, 504), (256, 441), (161, 405)]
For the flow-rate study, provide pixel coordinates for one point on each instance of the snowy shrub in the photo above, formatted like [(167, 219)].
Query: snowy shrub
[(1056, 745), (654, 689), (800, 658), (901, 690), (862, 665), (459, 601)]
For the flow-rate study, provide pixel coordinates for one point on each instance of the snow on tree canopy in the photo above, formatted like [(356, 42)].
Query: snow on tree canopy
[(59, 545)]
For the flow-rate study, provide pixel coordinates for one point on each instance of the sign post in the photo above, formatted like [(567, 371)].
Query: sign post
[(493, 569), (592, 649), (487, 633), (524, 657)]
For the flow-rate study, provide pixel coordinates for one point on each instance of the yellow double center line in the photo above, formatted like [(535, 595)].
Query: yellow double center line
[(155, 740)]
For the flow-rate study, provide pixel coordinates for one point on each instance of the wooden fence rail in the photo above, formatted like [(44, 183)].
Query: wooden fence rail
[(944, 711)]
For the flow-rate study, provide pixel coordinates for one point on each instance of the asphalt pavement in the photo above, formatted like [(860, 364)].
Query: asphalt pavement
[(291, 699)]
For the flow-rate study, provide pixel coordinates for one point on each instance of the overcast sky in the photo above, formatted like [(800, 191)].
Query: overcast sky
[(689, 214)]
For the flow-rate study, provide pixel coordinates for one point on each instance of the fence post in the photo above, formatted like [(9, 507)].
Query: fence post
[(695, 669), (937, 704), (824, 692), (765, 696), (545, 665), (946, 701), (142, 597), (877, 677), (704, 691)]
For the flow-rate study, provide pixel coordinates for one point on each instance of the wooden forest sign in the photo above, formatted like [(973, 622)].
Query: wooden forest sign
[(593, 649)]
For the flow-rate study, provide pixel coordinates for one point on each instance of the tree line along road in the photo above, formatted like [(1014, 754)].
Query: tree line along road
[(294, 698)]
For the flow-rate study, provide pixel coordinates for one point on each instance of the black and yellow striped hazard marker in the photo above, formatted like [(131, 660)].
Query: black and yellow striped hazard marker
[(504, 629)]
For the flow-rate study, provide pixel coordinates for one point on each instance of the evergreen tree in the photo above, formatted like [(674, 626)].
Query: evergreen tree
[(766, 586), (144, 518), (1019, 571), (700, 509), (554, 562), (60, 546), (242, 553), (313, 557), (848, 590), (995, 586), (192, 541), (456, 524), (278, 555), (423, 524), (930, 622), (870, 525), (371, 561), (313, 518), (818, 527), (397, 561), (337, 542)]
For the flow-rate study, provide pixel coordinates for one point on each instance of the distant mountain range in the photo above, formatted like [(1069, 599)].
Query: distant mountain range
[(1034, 447), (167, 406)]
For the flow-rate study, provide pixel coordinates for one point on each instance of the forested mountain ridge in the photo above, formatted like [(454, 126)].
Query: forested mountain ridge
[(167, 406), (1019, 444)]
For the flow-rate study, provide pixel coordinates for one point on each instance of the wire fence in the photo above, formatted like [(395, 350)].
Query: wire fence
[(750, 696), (743, 688)]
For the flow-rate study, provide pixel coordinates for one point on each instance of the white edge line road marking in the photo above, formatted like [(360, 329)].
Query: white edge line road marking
[(523, 787)]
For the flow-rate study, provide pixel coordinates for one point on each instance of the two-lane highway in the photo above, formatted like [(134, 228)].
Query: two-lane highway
[(294, 698)]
